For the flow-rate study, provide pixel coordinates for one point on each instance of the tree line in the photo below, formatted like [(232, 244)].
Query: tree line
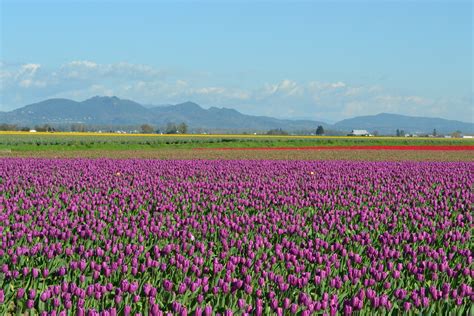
[(170, 128), (38, 128)]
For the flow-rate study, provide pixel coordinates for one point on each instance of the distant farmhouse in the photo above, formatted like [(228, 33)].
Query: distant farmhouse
[(359, 132)]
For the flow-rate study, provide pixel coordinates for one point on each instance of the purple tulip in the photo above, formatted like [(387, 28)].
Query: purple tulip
[(127, 310), (208, 310), (406, 306), (30, 304), (198, 311), (200, 298), (168, 285), (31, 294), (293, 308), (20, 293)]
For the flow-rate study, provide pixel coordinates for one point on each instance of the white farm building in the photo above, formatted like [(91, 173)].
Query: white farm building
[(359, 132)]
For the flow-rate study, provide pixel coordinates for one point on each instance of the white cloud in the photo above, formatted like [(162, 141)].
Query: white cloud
[(285, 88), (338, 84), (81, 79), (83, 63), (210, 90), (84, 70)]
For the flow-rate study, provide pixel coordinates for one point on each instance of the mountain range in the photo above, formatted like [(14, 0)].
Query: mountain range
[(112, 111)]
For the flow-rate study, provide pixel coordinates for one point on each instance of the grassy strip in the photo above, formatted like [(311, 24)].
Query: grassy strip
[(55, 142)]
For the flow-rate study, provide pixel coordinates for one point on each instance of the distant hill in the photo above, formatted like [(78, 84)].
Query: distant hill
[(224, 118), (111, 111), (386, 123), (115, 111), (96, 110)]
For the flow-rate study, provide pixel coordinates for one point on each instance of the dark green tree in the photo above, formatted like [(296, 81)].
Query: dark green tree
[(456, 134), (8, 127), (182, 128), (44, 128), (320, 130), (171, 128), (77, 127), (146, 129), (277, 131)]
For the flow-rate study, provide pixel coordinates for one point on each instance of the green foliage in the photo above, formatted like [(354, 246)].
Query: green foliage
[(320, 130), (146, 129), (277, 131)]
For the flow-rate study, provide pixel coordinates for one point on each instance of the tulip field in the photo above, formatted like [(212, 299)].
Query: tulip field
[(235, 237)]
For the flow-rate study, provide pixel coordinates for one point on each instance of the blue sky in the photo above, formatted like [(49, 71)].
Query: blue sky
[(314, 59)]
